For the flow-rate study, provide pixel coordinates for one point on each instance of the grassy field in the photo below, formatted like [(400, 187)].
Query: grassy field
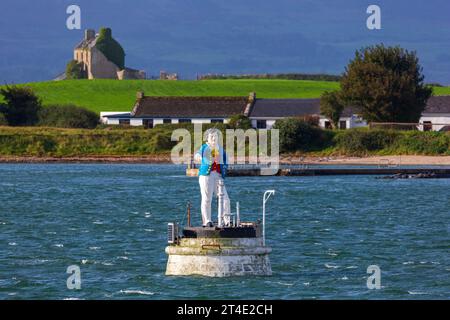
[(113, 95), (441, 91)]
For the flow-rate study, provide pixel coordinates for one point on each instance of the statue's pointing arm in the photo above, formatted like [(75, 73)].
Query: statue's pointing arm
[(198, 155)]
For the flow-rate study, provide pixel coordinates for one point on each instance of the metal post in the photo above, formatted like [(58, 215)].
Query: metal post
[(189, 213), (220, 205), (238, 217), (266, 197)]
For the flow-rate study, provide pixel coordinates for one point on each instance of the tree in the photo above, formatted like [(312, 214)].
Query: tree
[(331, 107), (74, 70), (240, 121), (386, 84), (21, 107)]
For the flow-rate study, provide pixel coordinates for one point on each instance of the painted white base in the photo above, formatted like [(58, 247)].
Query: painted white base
[(219, 258)]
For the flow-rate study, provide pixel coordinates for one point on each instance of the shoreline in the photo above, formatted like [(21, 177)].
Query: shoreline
[(165, 159)]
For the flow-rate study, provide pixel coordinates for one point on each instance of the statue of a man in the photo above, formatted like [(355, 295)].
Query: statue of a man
[(213, 168)]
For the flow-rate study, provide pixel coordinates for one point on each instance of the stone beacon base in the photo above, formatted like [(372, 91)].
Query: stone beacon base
[(219, 252)]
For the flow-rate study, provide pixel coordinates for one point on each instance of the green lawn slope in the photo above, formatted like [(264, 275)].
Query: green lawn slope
[(114, 95)]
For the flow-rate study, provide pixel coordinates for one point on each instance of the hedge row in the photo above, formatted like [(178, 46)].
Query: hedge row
[(40, 141)]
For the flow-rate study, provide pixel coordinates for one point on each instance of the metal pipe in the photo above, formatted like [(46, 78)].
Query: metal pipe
[(266, 197), (220, 204), (189, 213), (238, 217)]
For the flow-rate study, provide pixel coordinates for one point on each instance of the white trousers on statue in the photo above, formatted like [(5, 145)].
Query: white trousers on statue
[(209, 185)]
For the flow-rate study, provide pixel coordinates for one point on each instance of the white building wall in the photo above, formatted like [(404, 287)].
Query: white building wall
[(351, 122), (104, 114), (200, 120), (139, 121), (322, 122), (112, 121), (357, 122), (441, 120), (135, 122), (270, 123)]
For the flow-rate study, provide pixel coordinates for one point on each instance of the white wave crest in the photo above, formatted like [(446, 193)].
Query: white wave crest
[(147, 293)]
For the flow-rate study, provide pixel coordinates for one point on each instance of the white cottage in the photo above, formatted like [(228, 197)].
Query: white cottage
[(436, 116), (265, 112), (150, 111)]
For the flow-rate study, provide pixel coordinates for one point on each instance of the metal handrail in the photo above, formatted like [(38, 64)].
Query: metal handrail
[(266, 197)]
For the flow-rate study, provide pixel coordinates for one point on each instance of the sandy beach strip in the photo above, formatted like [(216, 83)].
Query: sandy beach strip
[(165, 158)]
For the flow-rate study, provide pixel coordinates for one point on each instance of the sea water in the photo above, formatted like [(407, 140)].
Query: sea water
[(110, 220)]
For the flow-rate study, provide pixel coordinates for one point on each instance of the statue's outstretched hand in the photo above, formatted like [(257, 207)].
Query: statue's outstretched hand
[(197, 158)]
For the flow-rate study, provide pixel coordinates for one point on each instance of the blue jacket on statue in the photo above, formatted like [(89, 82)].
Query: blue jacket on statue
[(207, 161)]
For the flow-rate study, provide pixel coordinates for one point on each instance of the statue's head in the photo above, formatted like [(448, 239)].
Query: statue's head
[(212, 137)]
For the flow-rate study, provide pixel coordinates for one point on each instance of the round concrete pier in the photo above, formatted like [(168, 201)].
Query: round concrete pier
[(218, 257)]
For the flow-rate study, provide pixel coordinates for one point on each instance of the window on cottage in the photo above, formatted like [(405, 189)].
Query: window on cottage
[(147, 123), (184, 121), (216, 120), (124, 122), (328, 125), (427, 126), (343, 124), (261, 124), (167, 121)]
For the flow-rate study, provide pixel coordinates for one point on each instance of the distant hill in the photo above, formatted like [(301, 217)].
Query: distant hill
[(279, 76), (114, 95)]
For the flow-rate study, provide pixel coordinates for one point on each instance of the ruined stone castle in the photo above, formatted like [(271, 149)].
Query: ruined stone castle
[(96, 65)]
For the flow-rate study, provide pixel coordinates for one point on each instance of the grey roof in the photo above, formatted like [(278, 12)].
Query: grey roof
[(189, 107), (223, 107), (438, 104), (119, 116), (279, 108)]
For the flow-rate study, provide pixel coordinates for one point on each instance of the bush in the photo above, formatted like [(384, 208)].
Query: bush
[(3, 121), (67, 116), (110, 47), (363, 141), (298, 135), (415, 142), (22, 105), (74, 70), (239, 121), (162, 142)]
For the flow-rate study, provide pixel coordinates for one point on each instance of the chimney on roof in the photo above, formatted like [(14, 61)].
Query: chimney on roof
[(140, 95), (89, 34), (251, 102)]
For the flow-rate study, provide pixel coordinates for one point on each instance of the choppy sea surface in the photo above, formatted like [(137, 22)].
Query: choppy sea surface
[(110, 220)]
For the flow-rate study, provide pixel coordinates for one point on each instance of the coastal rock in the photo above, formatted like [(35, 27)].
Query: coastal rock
[(423, 175)]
